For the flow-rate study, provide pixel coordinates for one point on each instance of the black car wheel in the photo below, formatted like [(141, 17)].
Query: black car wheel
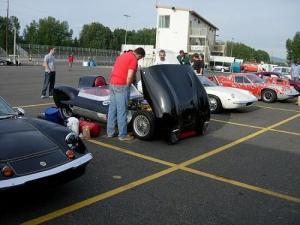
[(201, 127), (268, 96), (66, 112), (143, 125), (173, 138), (214, 104)]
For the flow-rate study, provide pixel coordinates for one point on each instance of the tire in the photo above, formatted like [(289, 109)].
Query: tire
[(201, 128), (143, 125), (214, 104), (173, 138), (66, 112), (268, 96)]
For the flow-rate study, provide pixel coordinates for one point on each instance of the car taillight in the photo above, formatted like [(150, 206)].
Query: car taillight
[(70, 154), (7, 171)]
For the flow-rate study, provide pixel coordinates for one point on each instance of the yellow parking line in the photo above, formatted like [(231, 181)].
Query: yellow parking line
[(256, 127), (242, 185), (275, 108), (36, 105), (286, 132), (236, 142), (237, 124), (149, 158), (98, 198), (173, 167), (204, 174)]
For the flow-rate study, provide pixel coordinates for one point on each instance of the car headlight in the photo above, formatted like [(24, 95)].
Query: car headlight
[(72, 140)]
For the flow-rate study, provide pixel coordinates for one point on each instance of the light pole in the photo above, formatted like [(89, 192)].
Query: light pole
[(6, 33), (15, 43), (231, 46), (127, 16)]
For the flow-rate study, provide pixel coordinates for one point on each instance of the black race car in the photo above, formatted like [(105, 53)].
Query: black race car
[(34, 151), (174, 101)]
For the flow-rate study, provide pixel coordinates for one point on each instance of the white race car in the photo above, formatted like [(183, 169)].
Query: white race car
[(226, 97)]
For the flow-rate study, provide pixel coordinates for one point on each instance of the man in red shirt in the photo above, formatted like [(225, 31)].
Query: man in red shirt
[(122, 76), (70, 61)]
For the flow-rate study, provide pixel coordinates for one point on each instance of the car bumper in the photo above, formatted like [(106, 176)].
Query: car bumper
[(239, 104), (285, 96), (72, 165)]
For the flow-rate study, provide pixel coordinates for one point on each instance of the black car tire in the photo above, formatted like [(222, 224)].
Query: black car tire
[(201, 128), (173, 138), (66, 112), (143, 125), (215, 104), (268, 96)]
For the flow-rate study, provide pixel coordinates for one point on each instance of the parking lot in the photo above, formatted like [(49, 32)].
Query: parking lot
[(245, 170)]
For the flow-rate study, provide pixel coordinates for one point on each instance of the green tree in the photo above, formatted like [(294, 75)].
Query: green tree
[(261, 56), (293, 48), (95, 35), (145, 36), (118, 39), (30, 33), (12, 22), (48, 31), (242, 51)]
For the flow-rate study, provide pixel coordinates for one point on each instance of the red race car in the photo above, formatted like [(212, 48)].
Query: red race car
[(266, 91), (278, 78)]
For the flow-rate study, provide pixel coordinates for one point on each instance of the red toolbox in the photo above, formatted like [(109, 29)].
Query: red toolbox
[(94, 128)]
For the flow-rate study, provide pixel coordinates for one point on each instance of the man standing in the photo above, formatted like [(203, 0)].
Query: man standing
[(162, 58), (49, 73), (122, 76), (295, 71), (198, 63), (183, 59), (70, 61)]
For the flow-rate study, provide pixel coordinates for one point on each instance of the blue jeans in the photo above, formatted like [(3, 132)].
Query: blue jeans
[(118, 109), (49, 81), (294, 78)]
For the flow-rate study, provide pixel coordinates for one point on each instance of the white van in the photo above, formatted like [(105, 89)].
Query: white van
[(284, 70)]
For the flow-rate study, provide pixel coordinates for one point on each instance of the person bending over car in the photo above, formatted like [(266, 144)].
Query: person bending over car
[(122, 76)]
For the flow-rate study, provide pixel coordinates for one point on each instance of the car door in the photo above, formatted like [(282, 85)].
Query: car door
[(238, 81)]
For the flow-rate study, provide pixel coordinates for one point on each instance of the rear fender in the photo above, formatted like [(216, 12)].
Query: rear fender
[(64, 95)]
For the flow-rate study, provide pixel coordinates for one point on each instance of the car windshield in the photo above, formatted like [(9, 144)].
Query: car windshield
[(254, 79), (206, 82), (5, 110)]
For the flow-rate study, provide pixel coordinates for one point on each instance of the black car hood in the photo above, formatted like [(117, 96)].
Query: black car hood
[(175, 90), (20, 138)]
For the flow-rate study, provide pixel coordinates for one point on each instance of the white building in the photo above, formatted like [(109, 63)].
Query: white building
[(184, 29)]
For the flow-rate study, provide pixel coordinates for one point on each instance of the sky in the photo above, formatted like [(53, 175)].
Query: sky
[(260, 24)]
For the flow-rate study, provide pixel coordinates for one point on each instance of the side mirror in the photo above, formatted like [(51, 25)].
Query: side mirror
[(20, 111)]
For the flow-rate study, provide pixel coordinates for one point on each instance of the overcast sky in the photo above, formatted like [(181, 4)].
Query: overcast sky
[(261, 24)]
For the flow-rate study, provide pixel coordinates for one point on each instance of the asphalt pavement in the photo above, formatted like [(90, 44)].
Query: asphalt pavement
[(245, 170)]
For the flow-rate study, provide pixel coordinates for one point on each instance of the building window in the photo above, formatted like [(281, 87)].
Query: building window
[(164, 21)]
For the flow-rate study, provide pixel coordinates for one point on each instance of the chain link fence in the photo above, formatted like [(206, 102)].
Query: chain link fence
[(34, 54)]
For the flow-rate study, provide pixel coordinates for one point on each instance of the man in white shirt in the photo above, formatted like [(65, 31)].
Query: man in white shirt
[(162, 58), (295, 71), (49, 80)]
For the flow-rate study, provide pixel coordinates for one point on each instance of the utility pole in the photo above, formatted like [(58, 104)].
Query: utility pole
[(6, 33), (15, 44), (127, 16), (231, 47)]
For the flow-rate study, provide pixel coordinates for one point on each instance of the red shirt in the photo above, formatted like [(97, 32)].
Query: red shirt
[(123, 63), (70, 58)]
